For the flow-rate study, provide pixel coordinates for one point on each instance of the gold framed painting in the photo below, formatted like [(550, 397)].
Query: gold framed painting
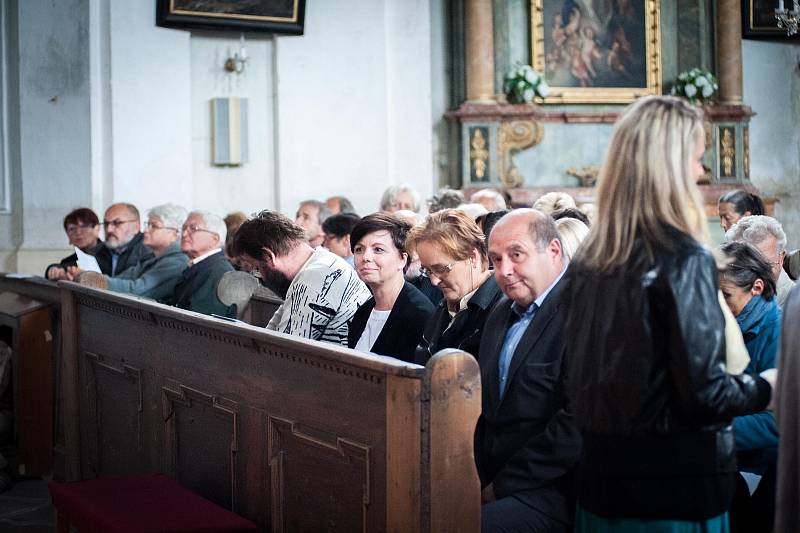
[(597, 51)]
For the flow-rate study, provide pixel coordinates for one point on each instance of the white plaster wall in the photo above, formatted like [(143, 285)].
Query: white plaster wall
[(151, 112), (353, 102), (54, 128), (114, 108), (249, 187), (772, 89)]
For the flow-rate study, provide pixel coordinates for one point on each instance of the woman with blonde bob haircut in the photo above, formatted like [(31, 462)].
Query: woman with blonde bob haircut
[(645, 339), (452, 252), (572, 233)]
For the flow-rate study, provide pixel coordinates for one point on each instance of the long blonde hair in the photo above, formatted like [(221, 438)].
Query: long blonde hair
[(646, 184)]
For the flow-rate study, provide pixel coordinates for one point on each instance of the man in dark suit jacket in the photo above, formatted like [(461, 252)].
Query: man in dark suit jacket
[(525, 443)]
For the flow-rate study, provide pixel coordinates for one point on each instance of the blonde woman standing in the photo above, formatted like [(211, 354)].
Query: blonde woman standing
[(645, 339)]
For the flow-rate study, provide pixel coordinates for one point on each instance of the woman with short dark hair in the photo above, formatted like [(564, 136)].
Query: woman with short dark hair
[(749, 290), (736, 204), (391, 322), (83, 231)]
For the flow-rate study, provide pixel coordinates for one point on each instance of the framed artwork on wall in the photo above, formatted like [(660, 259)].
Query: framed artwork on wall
[(759, 22), (597, 51), (275, 16)]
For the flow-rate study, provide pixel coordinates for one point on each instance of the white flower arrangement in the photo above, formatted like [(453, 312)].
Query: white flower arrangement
[(523, 84), (696, 85)]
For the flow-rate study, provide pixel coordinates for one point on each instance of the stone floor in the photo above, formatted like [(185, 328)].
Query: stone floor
[(25, 508)]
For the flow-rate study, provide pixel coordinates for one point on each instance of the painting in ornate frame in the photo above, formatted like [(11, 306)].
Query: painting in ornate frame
[(276, 16), (759, 22), (597, 52)]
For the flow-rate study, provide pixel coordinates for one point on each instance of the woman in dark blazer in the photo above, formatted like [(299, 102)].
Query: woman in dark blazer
[(452, 252), (391, 322)]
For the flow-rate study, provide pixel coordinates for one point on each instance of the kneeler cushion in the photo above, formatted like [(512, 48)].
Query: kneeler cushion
[(144, 503)]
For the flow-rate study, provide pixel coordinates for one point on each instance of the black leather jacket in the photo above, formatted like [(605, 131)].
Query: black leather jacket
[(647, 382)]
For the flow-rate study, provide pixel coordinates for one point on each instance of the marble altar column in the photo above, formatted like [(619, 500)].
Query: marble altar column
[(479, 51), (729, 46)]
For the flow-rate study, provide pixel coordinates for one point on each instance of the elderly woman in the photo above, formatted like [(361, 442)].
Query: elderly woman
[(155, 277), (83, 231), (452, 251), (645, 341), (747, 285), (391, 322)]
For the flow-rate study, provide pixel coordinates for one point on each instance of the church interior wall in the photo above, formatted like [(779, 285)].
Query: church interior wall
[(114, 108), (772, 89)]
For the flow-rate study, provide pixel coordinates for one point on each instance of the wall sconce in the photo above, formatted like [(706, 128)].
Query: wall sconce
[(238, 62)]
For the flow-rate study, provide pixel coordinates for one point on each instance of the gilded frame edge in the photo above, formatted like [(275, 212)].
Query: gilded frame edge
[(589, 95)]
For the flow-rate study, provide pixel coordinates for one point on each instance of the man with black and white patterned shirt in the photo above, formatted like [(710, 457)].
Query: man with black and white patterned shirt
[(321, 291)]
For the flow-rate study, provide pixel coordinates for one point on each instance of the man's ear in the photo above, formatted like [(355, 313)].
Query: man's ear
[(268, 256)]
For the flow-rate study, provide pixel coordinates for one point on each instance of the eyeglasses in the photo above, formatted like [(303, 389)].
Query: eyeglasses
[(116, 223), (153, 227), (194, 228), (438, 270), (75, 228)]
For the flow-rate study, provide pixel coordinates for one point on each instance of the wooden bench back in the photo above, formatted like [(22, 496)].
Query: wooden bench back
[(292, 434)]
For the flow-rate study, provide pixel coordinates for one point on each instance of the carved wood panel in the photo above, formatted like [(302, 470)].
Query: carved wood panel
[(192, 417), (114, 407), (315, 480)]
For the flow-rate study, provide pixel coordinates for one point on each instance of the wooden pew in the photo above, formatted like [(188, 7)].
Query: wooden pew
[(30, 319), (260, 309), (292, 434)]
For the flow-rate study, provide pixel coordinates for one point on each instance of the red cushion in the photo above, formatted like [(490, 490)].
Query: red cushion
[(150, 502)]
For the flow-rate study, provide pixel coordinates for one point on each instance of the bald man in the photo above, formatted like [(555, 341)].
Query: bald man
[(526, 443)]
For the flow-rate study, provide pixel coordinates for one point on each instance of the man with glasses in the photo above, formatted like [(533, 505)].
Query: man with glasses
[(321, 291), (123, 244), (767, 235), (155, 277), (202, 239)]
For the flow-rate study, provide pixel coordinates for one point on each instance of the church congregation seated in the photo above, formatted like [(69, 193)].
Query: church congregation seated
[(391, 322), (83, 231), (578, 220), (321, 290), (202, 238), (767, 235)]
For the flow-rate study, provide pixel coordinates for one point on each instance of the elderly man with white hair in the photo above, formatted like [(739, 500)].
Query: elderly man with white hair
[(767, 235), (202, 238), (400, 197), (490, 199)]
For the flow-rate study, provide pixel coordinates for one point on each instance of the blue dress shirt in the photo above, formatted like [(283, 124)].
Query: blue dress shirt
[(516, 330)]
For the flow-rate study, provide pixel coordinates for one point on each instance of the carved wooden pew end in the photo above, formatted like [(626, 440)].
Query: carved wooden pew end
[(150, 502)]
